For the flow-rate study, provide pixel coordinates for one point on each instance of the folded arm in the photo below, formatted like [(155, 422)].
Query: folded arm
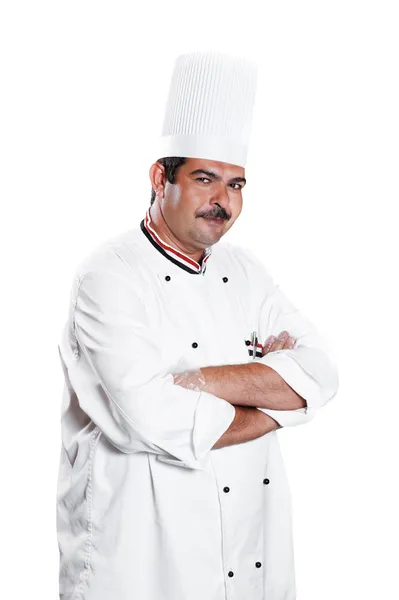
[(115, 372), (245, 385)]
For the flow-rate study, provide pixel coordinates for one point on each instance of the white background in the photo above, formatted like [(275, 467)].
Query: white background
[(83, 87)]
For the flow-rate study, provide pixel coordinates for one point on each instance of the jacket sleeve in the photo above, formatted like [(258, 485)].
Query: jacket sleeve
[(116, 373), (308, 368)]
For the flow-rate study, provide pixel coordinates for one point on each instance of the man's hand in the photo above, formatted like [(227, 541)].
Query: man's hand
[(283, 341)]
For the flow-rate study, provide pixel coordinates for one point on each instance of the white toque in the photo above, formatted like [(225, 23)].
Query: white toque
[(209, 108)]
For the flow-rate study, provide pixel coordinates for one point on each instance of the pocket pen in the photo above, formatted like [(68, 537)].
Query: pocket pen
[(254, 341)]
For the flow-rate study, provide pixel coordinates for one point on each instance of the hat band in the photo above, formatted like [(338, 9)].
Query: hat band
[(202, 146)]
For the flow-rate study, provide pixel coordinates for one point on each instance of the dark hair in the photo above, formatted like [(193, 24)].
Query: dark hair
[(171, 164)]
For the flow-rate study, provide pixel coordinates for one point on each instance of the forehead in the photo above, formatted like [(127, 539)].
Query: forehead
[(220, 168)]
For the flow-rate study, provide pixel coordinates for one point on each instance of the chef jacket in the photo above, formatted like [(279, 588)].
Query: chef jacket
[(146, 508)]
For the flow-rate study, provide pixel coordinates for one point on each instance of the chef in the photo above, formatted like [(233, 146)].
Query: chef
[(182, 358)]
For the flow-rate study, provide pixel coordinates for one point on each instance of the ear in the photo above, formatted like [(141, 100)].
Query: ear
[(157, 178)]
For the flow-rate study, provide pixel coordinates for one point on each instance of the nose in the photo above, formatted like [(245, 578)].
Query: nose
[(220, 202)]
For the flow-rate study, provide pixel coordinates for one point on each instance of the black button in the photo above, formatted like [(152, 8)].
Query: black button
[(247, 343), (226, 489), (258, 564), (266, 481), (225, 279), (167, 277), (194, 345), (230, 573)]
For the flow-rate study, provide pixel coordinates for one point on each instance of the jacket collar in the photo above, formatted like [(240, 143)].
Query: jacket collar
[(176, 256)]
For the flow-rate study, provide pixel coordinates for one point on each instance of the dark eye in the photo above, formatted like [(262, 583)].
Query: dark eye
[(239, 186), (202, 179)]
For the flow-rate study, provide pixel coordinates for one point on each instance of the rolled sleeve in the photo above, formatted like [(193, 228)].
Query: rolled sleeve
[(309, 368), (308, 371)]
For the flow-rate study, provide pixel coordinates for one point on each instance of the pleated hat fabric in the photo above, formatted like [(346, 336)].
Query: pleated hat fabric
[(209, 108)]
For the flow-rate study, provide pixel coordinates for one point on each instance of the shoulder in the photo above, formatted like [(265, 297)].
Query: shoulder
[(108, 279), (112, 272), (118, 254)]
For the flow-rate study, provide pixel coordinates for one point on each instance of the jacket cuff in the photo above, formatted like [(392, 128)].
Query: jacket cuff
[(293, 374), (212, 418), (290, 418)]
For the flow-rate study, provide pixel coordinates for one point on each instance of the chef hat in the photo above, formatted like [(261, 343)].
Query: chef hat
[(209, 108)]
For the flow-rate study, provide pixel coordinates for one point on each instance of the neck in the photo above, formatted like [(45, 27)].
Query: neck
[(160, 226)]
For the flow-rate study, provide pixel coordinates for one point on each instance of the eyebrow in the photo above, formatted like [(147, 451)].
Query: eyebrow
[(217, 177)]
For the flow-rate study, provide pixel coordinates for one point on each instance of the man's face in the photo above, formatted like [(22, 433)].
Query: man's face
[(203, 189)]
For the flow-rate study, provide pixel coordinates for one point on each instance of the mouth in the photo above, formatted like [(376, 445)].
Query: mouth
[(215, 221)]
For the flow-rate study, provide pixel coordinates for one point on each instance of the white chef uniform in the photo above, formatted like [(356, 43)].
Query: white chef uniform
[(146, 509)]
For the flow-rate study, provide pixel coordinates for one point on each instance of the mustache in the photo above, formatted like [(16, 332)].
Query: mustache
[(216, 214)]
